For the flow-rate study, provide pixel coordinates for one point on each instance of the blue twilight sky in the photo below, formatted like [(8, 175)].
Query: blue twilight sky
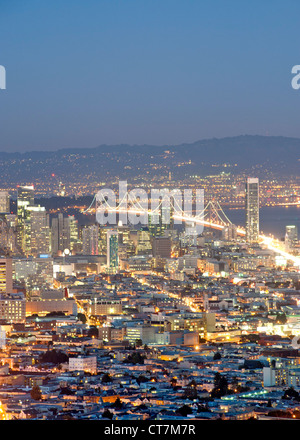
[(81, 73)]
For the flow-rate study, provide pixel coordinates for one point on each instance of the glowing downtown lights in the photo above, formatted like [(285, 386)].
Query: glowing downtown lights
[(3, 415), (268, 241), (271, 244)]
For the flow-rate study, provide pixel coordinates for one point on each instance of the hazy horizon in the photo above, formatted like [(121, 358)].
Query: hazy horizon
[(54, 149)]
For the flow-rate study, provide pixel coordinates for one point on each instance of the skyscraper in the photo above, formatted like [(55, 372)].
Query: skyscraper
[(291, 237), (39, 230), (162, 247), (144, 245), (252, 210), (161, 220), (24, 200), (60, 234), (6, 275), (74, 234), (112, 250), (90, 240), (4, 202)]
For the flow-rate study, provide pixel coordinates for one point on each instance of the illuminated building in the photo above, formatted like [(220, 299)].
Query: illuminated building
[(161, 247), (139, 264), (6, 275), (90, 239), (291, 237), (112, 250), (38, 241), (83, 363), (229, 233), (60, 234), (199, 322), (161, 220), (143, 242), (4, 202), (45, 306), (7, 234), (111, 333), (282, 374), (32, 223), (105, 307), (252, 210), (74, 233), (146, 333), (36, 273), (24, 200), (12, 308)]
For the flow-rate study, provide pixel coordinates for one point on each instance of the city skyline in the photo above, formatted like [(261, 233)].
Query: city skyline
[(149, 213)]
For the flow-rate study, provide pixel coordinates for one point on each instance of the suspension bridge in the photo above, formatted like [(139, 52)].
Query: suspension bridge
[(211, 216)]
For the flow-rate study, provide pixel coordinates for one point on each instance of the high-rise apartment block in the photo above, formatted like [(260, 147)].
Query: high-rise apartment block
[(252, 210)]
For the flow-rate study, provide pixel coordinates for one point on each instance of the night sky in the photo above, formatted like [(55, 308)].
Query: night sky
[(86, 73)]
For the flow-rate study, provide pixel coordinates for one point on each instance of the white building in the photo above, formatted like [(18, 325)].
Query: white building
[(83, 363), (12, 308)]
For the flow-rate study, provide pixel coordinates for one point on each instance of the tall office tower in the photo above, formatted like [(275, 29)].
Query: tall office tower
[(229, 233), (39, 242), (24, 200), (162, 247), (161, 220), (127, 246), (6, 275), (102, 239), (252, 210), (60, 234), (8, 241), (90, 243), (144, 245), (291, 237), (74, 233), (4, 202), (124, 234), (112, 249)]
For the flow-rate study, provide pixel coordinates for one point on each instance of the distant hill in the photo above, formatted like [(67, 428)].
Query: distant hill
[(255, 154)]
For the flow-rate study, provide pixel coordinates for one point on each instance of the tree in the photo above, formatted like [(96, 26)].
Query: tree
[(173, 382), (142, 379), (281, 318), (217, 356), (67, 391), (136, 358), (36, 393), (138, 343), (203, 408), (106, 378), (220, 386), (190, 393), (117, 403), (107, 414), (269, 405), (56, 313), (93, 332), (185, 410), (81, 317), (291, 393), (53, 357)]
